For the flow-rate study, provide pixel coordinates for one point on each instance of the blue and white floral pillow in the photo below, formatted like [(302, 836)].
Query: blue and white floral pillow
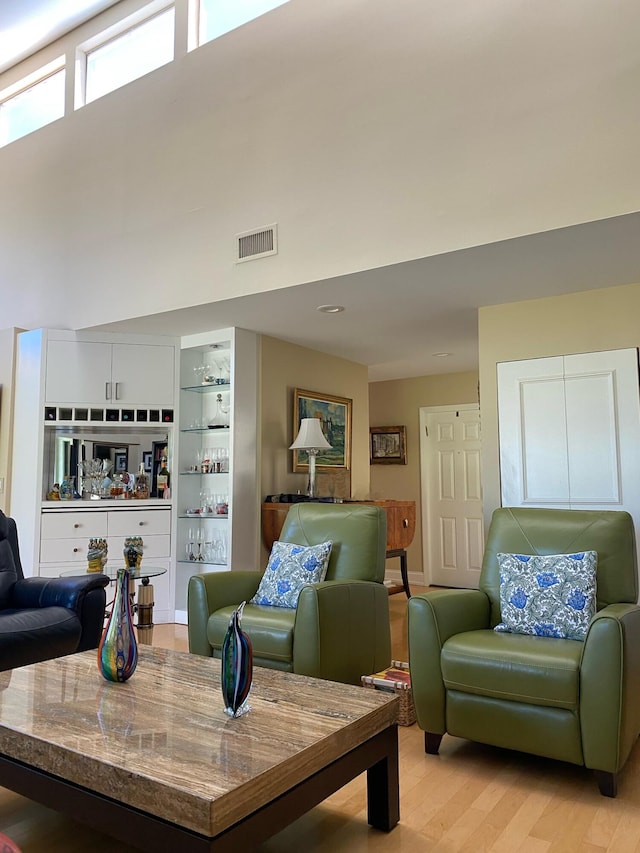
[(290, 567), (548, 596)]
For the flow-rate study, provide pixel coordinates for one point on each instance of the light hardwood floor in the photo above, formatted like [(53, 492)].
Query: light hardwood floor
[(469, 798)]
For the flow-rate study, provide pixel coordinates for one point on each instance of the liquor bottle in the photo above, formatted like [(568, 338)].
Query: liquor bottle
[(163, 479), (141, 486)]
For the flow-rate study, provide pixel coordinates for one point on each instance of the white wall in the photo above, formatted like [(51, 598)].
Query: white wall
[(371, 131)]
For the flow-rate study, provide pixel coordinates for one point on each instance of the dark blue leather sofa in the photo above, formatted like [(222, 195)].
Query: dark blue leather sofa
[(43, 618)]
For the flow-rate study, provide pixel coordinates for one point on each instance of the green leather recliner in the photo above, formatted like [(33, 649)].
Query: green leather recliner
[(340, 628), (564, 699)]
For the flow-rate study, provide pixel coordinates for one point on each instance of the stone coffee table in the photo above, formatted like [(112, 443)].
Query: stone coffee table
[(157, 763)]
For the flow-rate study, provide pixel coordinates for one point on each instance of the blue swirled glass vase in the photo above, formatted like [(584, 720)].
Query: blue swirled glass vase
[(118, 649), (237, 667)]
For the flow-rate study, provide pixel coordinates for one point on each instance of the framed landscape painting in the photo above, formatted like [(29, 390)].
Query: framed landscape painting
[(334, 414), (388, 445)]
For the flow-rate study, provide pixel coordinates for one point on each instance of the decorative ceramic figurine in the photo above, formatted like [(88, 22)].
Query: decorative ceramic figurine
[(133, 549), (237, 667), (118, 649)]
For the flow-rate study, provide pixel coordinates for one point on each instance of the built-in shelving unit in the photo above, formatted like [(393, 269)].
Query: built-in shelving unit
[(215, 479)]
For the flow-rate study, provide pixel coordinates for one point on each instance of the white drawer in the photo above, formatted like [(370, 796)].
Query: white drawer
[(144, 522), (153, 547), (72, 525), (64, 550)]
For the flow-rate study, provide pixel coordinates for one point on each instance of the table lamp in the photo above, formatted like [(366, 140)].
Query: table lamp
[(310, 438)]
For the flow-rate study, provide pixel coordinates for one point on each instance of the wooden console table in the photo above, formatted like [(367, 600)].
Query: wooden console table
[(401, 528)]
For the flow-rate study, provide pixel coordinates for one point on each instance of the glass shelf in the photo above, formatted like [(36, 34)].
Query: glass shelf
[(204, 429), (205, 515), (195, 563), (207, 387), (201, 473)]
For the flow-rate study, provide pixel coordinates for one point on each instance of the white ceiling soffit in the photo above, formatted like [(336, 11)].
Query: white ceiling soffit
[(397, 317)]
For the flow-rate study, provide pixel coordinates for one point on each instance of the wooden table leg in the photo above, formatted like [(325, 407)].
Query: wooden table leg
[(144, 608), (402, 554), (383, 792)]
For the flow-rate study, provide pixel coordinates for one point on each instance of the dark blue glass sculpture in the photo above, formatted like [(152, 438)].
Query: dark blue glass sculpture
[(237, 667)]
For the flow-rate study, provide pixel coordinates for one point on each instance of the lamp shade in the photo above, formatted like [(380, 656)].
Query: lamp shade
[(310, 436)]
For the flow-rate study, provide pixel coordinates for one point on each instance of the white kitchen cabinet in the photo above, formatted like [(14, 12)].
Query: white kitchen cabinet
[(211, 540), (51, 428), (84, 372)]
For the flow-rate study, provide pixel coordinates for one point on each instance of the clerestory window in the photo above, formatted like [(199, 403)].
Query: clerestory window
[(217, 17), (32, 102), (129, 55)]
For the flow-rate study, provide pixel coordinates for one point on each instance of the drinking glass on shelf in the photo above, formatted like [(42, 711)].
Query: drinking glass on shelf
[(223, 549), (224, 372), (199, 544)]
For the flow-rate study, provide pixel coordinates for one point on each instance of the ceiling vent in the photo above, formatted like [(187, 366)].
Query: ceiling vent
[(257, 244)]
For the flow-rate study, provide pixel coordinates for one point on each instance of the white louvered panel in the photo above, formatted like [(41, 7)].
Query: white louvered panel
[(257, 244)]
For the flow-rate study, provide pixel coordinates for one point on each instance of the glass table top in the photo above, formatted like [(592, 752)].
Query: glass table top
[(144, 572)]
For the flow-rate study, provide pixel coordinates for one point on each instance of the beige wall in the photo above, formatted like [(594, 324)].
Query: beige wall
[(399, 402), (7, 363), (580, 322), (285, 367), (343, 121)]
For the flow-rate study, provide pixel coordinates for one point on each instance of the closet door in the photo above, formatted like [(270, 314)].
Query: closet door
[(533, 433), (570, 431), (603, 430)]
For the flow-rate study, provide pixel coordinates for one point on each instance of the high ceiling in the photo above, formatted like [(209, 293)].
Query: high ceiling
[(396, 317), (28, 25)]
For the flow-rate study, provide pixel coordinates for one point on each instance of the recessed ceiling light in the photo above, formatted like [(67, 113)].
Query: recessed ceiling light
[(330, 309), (441, 354)]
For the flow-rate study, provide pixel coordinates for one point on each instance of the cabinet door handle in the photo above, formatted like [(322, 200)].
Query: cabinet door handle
[(107, 390), (76, 525), (117, 390)]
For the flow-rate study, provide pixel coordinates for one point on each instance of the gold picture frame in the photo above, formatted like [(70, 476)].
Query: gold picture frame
[(388, 445), (334, 414)]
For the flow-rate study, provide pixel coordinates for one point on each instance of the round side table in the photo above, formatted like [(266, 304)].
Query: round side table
[(141, 604)]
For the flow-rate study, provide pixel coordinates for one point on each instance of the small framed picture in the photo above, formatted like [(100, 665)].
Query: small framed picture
[(388, 445), (120, 462), (146, 460)]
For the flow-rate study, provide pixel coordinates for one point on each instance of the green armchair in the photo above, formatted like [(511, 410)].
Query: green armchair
[(340, 627), (564, 699)]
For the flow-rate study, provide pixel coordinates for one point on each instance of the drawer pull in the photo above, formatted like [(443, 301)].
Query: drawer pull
[(75, 550), (141, 524), (76, 525)]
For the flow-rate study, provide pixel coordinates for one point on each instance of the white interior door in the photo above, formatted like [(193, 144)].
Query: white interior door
[(452, 525)]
